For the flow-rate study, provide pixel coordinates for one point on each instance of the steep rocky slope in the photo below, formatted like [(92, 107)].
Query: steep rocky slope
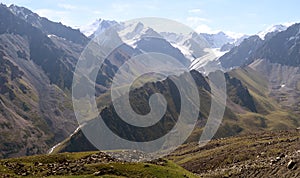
[(38, 58), (35, 73)]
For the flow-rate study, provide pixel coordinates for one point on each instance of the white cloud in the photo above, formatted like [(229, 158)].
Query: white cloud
[(251, 14), (97, 12), (67, 6), (205, 29), (139, 5), (120, 7), (196, 20), (49, 13), (199, 24), (193, 11), (55, 15)]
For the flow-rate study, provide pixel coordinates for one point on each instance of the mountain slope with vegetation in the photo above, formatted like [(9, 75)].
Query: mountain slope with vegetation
[(249, 109), (88, 164)]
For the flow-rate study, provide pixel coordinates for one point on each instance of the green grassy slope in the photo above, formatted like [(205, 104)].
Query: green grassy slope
[(270, 114), (87, 164)]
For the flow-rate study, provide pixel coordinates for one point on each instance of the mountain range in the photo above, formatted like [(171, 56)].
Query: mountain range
[(38, 59)]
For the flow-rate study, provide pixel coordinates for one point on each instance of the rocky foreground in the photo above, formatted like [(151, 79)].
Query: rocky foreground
[(88, 164), (63, 166), (265, 154)]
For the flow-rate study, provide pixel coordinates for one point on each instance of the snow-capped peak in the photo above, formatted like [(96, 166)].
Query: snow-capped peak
[(133, 32), (97, 27), (273, 28), (217, 40), (236, 36)]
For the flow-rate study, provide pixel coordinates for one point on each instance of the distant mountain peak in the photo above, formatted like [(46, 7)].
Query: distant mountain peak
[(270, 29), (97, 26), (217, 40), (222, 33), (133, 32)]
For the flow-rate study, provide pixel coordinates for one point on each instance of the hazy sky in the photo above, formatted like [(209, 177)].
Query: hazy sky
[(209, 16)]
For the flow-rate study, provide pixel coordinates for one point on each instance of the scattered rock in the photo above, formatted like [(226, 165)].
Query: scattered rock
[(24, 174), (282, 155), (98, 173), (159, 161), (278, 158), (273, 161), (291, 164), (73, 169)]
